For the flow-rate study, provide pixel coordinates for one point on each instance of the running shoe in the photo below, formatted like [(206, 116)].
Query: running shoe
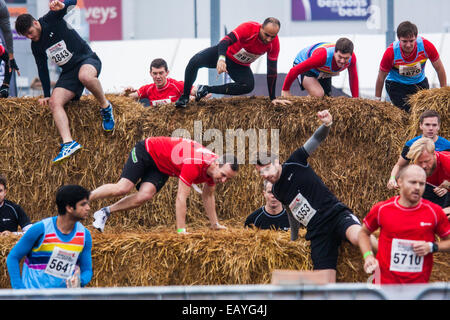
[(202, 92), (182, 102), (100, 218), (108, 118), (4, 91), (67, 149)]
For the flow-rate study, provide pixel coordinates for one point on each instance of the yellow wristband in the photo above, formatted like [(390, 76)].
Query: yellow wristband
[(368, 253)]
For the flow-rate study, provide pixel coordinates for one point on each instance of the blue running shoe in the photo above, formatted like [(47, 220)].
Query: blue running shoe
[(67, 149), (108, 118)]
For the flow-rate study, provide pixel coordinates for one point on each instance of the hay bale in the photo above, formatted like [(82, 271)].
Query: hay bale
[(354, 162)]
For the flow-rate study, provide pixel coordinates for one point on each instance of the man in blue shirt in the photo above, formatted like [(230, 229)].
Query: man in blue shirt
[(53, 38), (429, 123), (57, 250)]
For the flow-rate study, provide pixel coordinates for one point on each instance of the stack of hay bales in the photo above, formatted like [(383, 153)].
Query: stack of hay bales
[(139, 247)]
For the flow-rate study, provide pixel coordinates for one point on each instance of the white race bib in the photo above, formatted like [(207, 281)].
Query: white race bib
[(302, 210), (410, 71), (403, 258), (246, 57), (59, 53), (160, 102), (324, 75), (62, 263)]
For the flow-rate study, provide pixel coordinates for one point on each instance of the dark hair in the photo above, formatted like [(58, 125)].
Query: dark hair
[(407, 29), (231, 160), (23, 23), (429, 114), (267, 159), (159, 63), (70, 195), (344, 45), (272, 20), (3, 180)]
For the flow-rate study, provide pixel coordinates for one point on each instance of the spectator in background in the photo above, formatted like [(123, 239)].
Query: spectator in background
[(11, 214), (163, 89), (270, 216), (5, 27), (314, 66), (403, 66), (429, 123)]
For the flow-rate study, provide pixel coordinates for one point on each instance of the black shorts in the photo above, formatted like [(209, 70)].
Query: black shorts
[(69, 79), (324, 82), (399, 92), (326, 241), (140, 167)]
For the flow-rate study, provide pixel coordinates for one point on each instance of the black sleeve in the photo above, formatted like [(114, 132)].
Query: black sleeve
[(44, 75), (54, 16), (405, 152), (271, 77), (7, 77), (23, 219), (225, 43), (299, 156), (250, 221)]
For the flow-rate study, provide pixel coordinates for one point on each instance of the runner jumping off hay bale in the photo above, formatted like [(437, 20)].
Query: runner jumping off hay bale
[(310, 203), (314, 66), (233, 55), (408, 225), (51, 37), (150, 164)]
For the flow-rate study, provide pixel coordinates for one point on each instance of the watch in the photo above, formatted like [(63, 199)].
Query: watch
[(435, 247)]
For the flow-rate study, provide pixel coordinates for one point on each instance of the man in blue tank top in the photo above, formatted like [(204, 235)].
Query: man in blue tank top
[(57, 250), (52, 38), (403, 66)]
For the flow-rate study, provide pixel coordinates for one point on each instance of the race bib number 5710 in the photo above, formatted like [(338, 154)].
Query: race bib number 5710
[(403, 258)]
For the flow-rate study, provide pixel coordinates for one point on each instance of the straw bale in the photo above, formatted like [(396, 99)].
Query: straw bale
[(354, 162)]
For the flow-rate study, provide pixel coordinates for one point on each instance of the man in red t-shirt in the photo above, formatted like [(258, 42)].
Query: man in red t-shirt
[(436, 165), (408, 225), (150, 164), (317, 64), (234, 54), (403, 64)]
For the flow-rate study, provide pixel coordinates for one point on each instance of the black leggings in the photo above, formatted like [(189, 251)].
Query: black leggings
[(399, 92), (207, 58)]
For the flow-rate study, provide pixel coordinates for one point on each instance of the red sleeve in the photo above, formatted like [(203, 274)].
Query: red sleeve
[(274, 49), (143, 91), (188, 173), (388, 60), (244, 30), (443, 225), (444, 158), (2, 50), (431, 50), (371, 220), (353, 77), (318, 59)]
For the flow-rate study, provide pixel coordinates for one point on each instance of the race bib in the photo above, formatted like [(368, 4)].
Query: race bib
[(160, 102), (246, 57), (62, 263), (410, 71), (403, 258), (302, 210), (59, 53), (324, 75)]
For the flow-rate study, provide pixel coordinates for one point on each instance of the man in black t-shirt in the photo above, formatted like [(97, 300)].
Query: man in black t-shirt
[(310, 203), (52, 38), (11, 215), (270, 216)]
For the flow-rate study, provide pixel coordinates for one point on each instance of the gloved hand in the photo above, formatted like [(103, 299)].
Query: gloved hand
[(13, 66), (4, 91)]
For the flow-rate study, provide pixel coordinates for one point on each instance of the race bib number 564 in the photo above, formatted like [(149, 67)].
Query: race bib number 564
[(62, 263)]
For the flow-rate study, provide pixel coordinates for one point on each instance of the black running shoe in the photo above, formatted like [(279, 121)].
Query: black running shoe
[(182, 102), (202, 92)]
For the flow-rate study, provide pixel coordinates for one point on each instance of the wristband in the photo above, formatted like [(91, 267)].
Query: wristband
[(434, 247), (222, 58), (180, 230), (368, 253), (392, 178)]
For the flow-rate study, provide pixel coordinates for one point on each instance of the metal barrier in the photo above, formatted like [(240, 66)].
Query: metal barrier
[(345, 291)]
